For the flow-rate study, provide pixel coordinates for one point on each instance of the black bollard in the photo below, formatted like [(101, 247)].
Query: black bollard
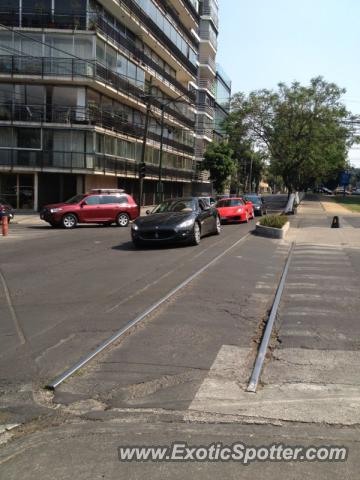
[(335, 222)]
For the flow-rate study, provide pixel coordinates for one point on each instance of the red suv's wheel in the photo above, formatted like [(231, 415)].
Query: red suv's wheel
[(122, 220), (69, 220)]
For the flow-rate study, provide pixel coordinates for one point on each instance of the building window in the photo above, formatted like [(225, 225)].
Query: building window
[(29, 138)]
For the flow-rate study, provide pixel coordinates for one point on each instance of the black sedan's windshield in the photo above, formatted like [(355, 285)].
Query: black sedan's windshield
[(253, 199), (74, 200), (176, 206)]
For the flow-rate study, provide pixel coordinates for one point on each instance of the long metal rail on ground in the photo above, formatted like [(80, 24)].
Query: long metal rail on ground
[(106, 343), (259, 362)]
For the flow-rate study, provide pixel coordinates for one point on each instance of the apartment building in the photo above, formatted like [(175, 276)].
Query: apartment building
[(222, 102), (76, 78)]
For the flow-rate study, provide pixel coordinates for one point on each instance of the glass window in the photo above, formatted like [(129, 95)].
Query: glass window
[(64, 96), (109, 199), (93, 200), (230, 203), (28, 138), (121, 65), (36, 13), (110, 58), (9, 12), (6, 137), (83, 46), (77, 141), (100, 51), (59, 46)]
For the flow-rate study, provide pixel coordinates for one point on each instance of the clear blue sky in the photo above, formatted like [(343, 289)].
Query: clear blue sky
[(263, 42)]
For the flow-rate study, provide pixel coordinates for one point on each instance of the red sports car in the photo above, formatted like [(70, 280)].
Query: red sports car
[(235, 210)]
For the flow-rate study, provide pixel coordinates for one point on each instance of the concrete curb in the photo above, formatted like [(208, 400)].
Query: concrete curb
[(271, 232)]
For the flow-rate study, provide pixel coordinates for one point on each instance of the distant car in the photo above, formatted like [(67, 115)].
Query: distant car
[(180, 220), (99, 206), (356, 191), (235, 210), (258, 204), (7, 209), (340, 191)]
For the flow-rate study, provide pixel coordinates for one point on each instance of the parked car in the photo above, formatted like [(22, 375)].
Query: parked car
[(340, 191), (235, 210), (209, 200), (258, 204), (183, 220), (99, 206), (6, 208), (356, 191)]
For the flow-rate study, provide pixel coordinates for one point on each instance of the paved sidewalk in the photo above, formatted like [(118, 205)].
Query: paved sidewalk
[(333, 208), (307, 379)]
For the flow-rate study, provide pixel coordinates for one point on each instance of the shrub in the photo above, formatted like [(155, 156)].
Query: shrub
[(274, 221)]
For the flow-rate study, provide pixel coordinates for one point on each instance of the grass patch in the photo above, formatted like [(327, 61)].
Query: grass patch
[(274, 221), (351, 203)]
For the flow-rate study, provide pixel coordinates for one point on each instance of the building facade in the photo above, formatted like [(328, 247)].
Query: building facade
[(208, 33), (76, 77), (222, 102)]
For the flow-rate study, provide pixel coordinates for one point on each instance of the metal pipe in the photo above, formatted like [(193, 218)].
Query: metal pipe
[(255, 377), (83, 361)]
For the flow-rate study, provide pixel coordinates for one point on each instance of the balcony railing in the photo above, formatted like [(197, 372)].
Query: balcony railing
[(83, 20), (190, 5), (208, 9), (90, 116), (206, 60), (73, 68), (175, 17), (72, 161), (208, 35), (134, 9), (106, 29), (207, 85)]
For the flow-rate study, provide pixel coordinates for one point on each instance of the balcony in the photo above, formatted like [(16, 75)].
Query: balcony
[(133, 8), (175, 17), (208, 85), (74, 68), (86, 116), (108, 31), (207, 61), (210, 10), (207, 35), (91, 163)]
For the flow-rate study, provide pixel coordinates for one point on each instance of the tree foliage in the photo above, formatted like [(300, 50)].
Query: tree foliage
[(218, 160), (302, 129)]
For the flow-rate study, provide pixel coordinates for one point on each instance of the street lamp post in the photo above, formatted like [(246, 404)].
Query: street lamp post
[(163, 107)]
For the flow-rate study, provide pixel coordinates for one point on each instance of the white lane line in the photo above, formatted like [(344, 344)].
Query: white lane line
[(13, 315)]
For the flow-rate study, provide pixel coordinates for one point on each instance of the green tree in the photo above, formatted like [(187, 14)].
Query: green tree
[(302, 128), (218, 160)]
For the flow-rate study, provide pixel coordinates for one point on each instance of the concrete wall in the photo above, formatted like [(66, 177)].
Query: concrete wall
[(99, 181)]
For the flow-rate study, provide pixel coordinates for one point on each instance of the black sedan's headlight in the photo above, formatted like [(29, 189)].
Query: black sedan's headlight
[(186, 224)]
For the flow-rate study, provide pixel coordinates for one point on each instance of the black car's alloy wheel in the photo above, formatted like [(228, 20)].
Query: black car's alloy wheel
[(218, 226), (69, 220), (196, 234)]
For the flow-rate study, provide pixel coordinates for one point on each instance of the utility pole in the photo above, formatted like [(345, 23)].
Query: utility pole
[(142, 165), (160, 185), (250, 175)]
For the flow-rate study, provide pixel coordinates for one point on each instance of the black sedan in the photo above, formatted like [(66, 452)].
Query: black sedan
[(6, 209), (183, 220), (258, 204)]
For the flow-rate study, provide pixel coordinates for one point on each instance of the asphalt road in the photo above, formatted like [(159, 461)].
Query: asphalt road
[(63, 292)]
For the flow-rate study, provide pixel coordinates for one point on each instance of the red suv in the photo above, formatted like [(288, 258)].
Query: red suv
[(99, 206)]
